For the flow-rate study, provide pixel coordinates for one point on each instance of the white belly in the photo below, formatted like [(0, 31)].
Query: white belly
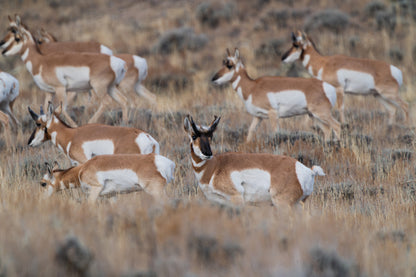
[(253, 184), (74, 78), (288, 102), (119, 180), (355, 81), (97, 147)]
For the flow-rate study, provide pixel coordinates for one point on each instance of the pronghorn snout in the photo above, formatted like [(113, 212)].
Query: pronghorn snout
[(216, 77), (205, 147)]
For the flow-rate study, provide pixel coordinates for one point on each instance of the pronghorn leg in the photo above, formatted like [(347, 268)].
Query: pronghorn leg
[(237, 200), (274, 119), (340, 104), (390, 107), (61, 98), (105, 101), (122, 100), (12, 116), (94, 193), (142, 91), (4, 119), (253, 127), (157, 191)]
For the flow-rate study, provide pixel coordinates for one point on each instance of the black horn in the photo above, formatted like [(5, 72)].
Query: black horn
[(293, 37), (34, 115)]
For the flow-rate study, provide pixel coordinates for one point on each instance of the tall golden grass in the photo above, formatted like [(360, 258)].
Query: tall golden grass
[(360, 220)]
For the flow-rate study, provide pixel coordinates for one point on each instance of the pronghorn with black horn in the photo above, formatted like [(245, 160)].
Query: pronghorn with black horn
[(136, 66), (82, 143), (117, 173), (9, 90), (59, 73), (238, 178), (350, 75), (279, 97)]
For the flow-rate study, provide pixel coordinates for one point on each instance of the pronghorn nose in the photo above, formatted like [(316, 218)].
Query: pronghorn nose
[(216, 76)]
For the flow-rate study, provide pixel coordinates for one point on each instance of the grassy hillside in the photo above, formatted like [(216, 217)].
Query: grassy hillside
[(361, 218)]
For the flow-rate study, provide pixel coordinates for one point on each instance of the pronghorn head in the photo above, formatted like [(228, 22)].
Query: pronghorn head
[(43, 123), (230, 66), (45, 37), (16, 38), (48, 182), (200, 136), (300, 42)]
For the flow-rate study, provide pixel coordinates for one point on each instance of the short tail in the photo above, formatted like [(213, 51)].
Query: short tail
[(317, 170)]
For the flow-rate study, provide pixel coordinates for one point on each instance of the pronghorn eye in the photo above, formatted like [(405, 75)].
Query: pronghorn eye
[(295, 45), (194, 137), (38, 124), (43, 184)]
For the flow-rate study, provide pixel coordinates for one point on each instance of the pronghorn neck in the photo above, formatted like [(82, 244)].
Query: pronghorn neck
[(60, 134), (66, 178), (242, 83), (312, 61)]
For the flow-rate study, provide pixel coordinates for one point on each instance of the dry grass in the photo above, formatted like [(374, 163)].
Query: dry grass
[(360, 221)]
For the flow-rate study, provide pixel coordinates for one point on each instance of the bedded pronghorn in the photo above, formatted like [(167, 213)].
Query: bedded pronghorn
[(59, 73), (108, 174), (238, 178), (82, 143), (279, 97), (350, 75), (136, 66), (9, 90)]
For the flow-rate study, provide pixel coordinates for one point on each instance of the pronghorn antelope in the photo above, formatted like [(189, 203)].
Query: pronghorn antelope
[(279, 97), (136, 66), (238, 178), (350, 75), (82, 143), (59, 73), (9, 90), (109, 174)]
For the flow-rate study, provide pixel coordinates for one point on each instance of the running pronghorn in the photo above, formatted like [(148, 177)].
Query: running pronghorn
[(238, 178), (350, 75), (279, 97), (82, 143), (59, 73), (136, 65), (9, 90), (109, 174)]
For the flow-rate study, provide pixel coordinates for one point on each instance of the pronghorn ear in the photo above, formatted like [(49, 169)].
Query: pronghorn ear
[(55, 166), (17, 19), (228, 52), (33, 114), (293, 37), (236, 53), (58, 110), (50, 108), (214, 123), (187, 124)]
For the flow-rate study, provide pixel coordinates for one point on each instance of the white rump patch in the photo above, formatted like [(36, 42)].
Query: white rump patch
[(97, 147), (288, 102), (165, 167), (397, 74), (225, 78), (105, 50), (355, 81), (141, 65), (117, 180), (292, 57), (74, 78), (253, 184), (330, 92), (306, 179), (117, 65), (147, 144)]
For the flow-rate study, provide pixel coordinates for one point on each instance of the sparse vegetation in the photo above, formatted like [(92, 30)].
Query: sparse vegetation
[(360, 220)]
